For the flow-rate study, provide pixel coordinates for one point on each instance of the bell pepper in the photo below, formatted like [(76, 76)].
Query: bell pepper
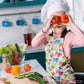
[(8, 70), (15, 70)]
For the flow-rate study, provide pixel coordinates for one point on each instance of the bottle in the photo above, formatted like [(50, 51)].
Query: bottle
[(28, 35), (4, 59)]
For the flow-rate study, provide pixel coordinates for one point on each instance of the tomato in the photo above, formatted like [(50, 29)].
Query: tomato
[(8, 70), (27, 67), (64, 18), (55, 20)]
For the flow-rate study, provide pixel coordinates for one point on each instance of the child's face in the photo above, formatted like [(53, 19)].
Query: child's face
[(58, 28)]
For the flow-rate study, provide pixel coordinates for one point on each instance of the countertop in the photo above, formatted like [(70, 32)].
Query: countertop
[(35, 67), (31, 49)]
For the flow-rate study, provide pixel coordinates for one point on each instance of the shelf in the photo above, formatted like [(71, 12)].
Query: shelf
[(16, 3)]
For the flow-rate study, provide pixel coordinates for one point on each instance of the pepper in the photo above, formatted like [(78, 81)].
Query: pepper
[(15, 70), (8, 70)]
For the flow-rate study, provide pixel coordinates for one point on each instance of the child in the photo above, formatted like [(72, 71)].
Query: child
[(59, 43)]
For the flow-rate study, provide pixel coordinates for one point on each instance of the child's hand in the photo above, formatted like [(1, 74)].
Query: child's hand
[(70, 23), (48, 25)]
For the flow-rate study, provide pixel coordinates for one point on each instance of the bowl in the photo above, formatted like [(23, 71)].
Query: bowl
[(17, 58)]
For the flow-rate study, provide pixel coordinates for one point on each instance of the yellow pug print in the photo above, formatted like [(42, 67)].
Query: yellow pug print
[(54, 65), (49, 38), (46, 56), (54, 47)]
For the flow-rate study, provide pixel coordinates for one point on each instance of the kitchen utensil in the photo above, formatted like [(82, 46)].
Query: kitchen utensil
[(5, 23), (20, 22)]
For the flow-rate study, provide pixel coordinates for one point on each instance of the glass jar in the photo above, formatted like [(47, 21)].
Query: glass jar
[(4, 61), (28, 35)]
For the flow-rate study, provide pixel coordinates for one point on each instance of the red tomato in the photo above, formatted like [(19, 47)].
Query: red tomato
[(8, 70), (64, 18), (55, 20), (27, 67)]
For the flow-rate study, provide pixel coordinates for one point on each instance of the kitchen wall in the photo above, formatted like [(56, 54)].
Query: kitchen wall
[(14, 33)]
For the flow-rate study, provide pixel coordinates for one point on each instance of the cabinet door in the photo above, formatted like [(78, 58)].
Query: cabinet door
[(6, 3), (29, 2)]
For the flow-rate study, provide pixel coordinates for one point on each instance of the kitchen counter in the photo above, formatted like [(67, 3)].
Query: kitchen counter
[(41, 50), (35, 67), (31, 49)]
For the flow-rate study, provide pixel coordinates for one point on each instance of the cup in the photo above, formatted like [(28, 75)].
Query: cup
[(25, 38), (28, 38)]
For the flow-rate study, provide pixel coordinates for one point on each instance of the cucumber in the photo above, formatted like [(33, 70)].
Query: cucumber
[(36, 78), (36, 73), (18, 49)]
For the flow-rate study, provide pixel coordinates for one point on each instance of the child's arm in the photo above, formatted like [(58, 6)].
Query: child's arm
[(78, 36), (39, 39)]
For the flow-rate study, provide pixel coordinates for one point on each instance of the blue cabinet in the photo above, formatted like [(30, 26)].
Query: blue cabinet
[(16, 3), (29, 2), (7, 3)]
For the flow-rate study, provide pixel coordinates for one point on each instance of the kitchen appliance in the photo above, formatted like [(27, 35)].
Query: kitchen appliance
[(77, 62), (79, 78)]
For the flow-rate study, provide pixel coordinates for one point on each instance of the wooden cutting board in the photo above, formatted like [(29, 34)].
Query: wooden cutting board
[(13, 80)]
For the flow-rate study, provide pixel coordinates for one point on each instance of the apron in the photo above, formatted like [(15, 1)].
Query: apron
[(57, 66)]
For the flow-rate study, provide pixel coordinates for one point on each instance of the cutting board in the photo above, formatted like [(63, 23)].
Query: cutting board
[(13, 80), (36, 67)]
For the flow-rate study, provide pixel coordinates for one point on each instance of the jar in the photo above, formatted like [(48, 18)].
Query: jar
[(28, 35), (4, 60)]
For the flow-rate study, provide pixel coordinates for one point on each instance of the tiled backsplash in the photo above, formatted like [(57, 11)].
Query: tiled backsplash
[(13, 33)]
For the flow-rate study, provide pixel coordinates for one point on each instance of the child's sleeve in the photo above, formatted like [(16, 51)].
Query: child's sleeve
[(78, 36), (39, 39)]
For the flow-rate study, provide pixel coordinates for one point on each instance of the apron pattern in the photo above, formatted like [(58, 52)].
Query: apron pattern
[(57, 66)]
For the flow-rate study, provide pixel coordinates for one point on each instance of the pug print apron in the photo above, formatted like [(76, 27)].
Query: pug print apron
[(57, 66)]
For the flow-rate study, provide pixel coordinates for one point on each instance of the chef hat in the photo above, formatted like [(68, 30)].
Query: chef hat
[(52, 6)]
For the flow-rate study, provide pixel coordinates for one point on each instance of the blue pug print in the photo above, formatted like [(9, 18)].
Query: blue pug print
[(61, 69), (57, 41), (60, 50), (55, 60), (56, 78)]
